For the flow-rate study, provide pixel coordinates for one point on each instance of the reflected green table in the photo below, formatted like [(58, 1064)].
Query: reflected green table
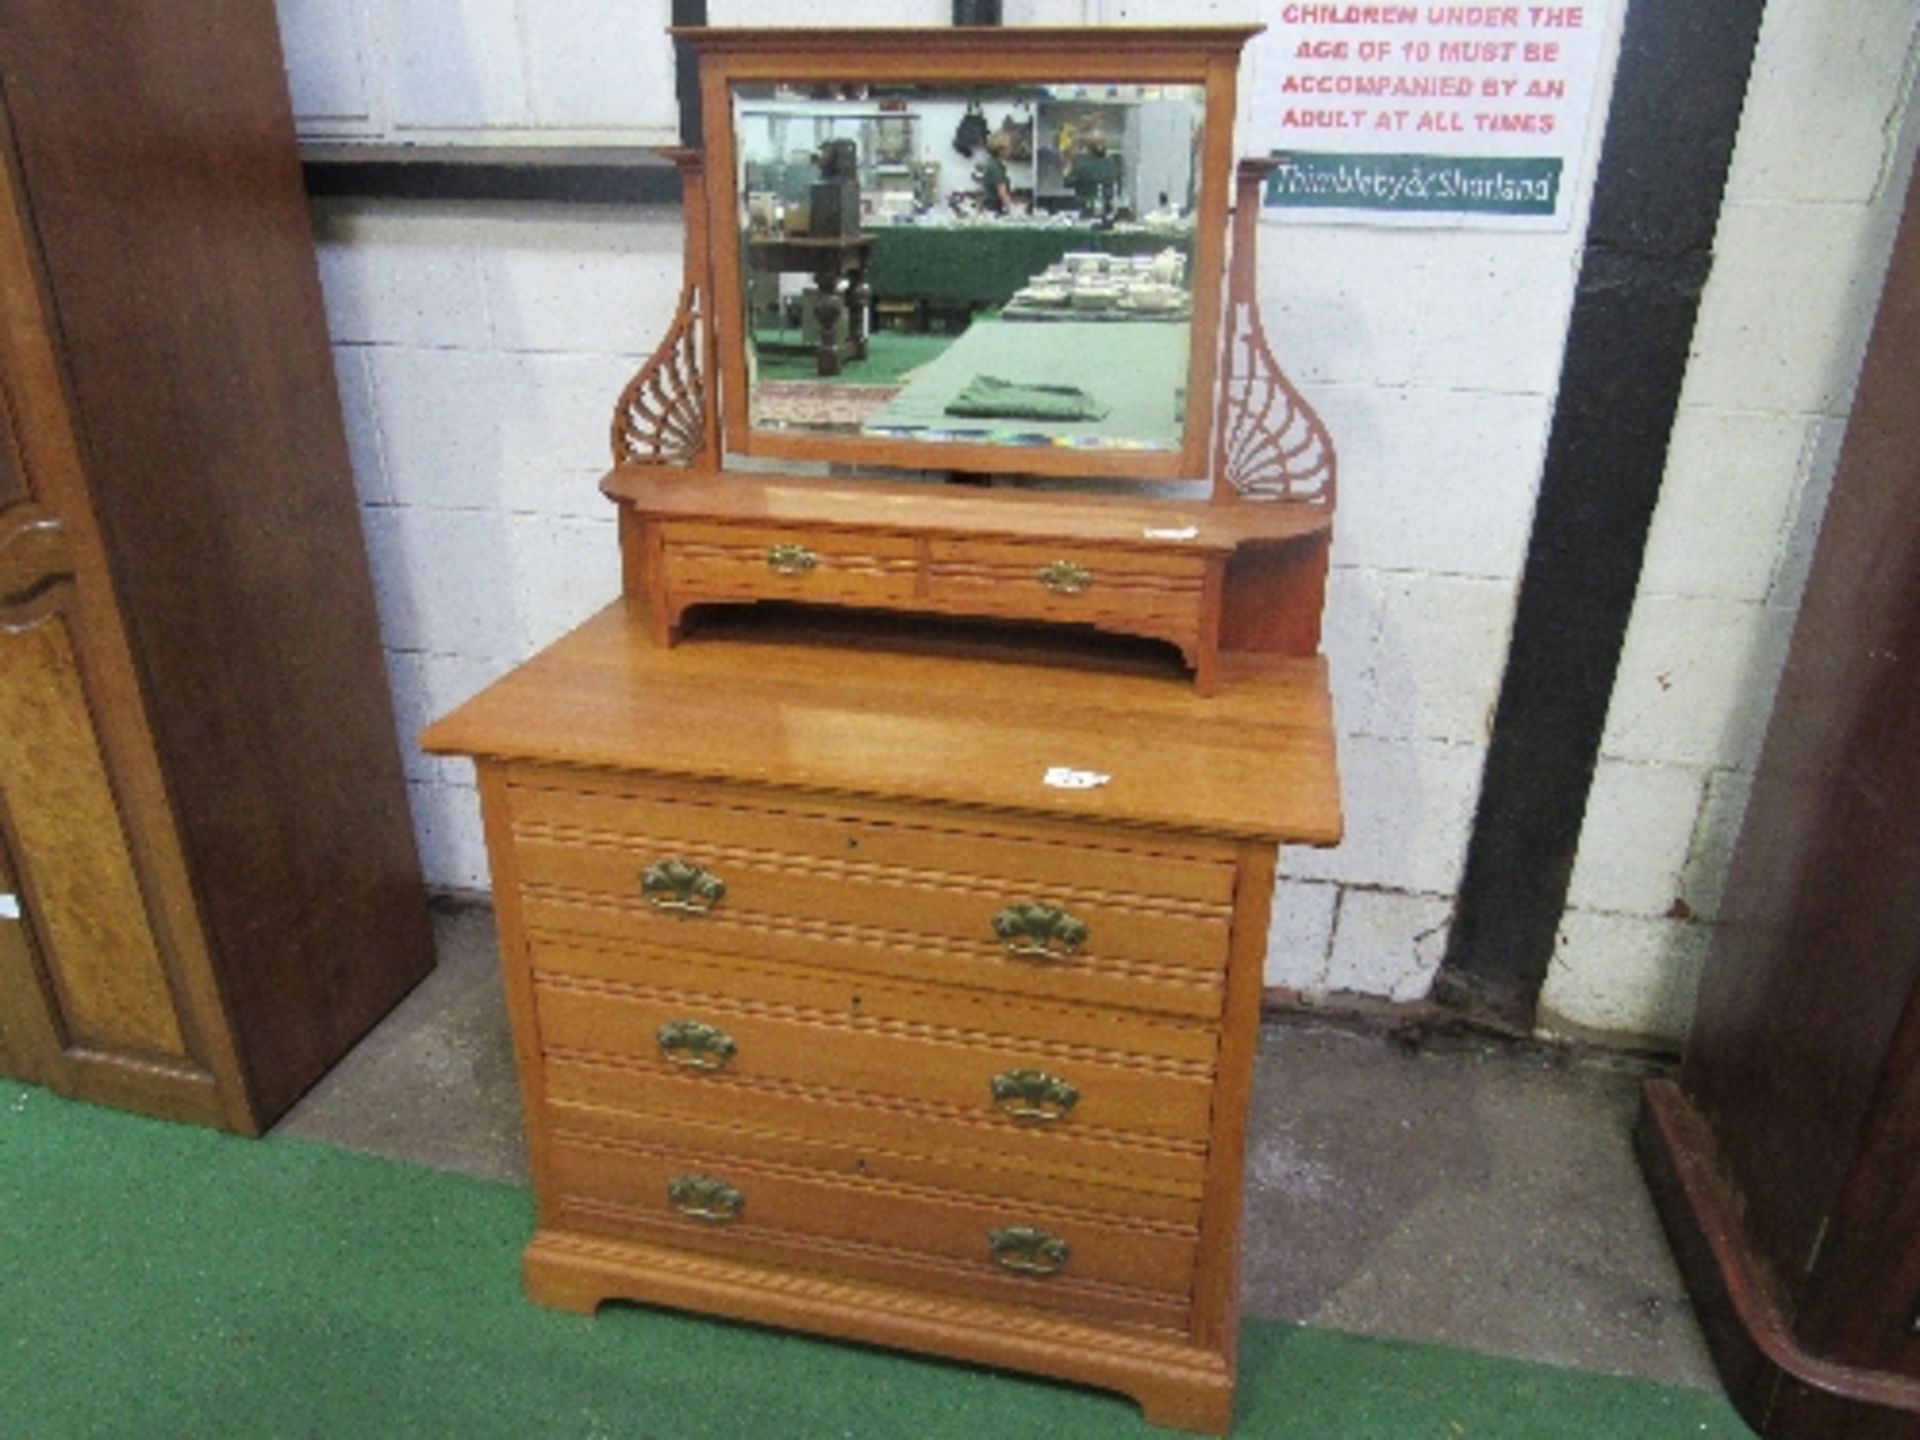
[(986, 264), (1139, 372)]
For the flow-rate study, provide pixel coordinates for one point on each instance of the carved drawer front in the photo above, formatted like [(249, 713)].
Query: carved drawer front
[(1054, 1258), (901, 837), (1036, 916), (977, 1147), (744, 562), (1131, 1075), (1145, 592)]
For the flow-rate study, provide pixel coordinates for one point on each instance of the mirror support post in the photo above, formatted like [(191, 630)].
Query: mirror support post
[(1269, 444), (667, 414)]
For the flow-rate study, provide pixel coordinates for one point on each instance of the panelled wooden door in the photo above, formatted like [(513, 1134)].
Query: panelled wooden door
[(105, 991), (98, 960), (23, 1007)]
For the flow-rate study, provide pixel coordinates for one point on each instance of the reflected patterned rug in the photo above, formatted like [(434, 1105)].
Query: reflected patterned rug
[(818, 403)]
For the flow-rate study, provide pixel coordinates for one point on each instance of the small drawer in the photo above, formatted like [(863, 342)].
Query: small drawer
[(1147, 591), (961, 1053), (1053, 1258), (744, 562)]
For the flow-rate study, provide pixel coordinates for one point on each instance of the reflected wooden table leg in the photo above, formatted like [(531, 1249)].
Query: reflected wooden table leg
[(861, 298), (827, 307)]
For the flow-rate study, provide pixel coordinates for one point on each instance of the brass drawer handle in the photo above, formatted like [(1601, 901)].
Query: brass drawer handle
[(694, 1045), (703, 1198), (1039, 932), (790, 559), (1033, 1095), (1028, 1251), (1063, 577), (678, 886)]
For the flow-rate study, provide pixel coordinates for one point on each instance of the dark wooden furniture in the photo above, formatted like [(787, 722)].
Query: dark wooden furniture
[(829, 260), (1786, 1161), (210, 889)]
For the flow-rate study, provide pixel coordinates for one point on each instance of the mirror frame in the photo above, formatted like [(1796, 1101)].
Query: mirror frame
[(1205, 56)]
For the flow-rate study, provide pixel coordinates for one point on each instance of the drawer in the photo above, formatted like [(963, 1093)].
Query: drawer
[(768, 888), (871, 896), (1050, 1257), (744, 562), (894, 837), (1132, 1074), (969, 1149), (1156, 592), (980, 966), (872, 890)]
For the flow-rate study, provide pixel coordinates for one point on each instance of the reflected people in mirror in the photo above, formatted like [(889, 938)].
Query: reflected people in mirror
[(1005, 265)]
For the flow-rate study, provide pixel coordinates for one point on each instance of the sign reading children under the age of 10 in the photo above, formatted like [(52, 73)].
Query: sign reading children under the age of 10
[(1450, 114)]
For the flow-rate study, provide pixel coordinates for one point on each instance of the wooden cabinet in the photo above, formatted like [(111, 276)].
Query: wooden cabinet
[(207, 883), (831, 1012), (1786, 1160)]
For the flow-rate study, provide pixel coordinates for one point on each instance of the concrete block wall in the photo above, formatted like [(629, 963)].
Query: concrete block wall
[(480, 349), (1433, 354), (498, 72), (1441, 420), (1819, 176)]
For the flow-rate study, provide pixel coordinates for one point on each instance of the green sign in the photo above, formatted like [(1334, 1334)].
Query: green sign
[(1414, 184)]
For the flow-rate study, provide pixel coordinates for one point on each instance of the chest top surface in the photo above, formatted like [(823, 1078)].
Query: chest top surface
[(982, 730)]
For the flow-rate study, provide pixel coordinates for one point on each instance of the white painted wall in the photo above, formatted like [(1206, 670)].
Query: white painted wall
[(480, 349), (1818, 179)]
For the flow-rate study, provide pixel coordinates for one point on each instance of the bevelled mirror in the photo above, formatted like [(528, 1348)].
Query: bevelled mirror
[(922, 261)]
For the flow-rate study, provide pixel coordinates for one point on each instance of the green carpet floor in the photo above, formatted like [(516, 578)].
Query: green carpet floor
[(159, 1281)]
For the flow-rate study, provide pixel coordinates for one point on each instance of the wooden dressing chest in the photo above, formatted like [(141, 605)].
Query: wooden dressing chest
[(883, 883), (831, 1012)]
